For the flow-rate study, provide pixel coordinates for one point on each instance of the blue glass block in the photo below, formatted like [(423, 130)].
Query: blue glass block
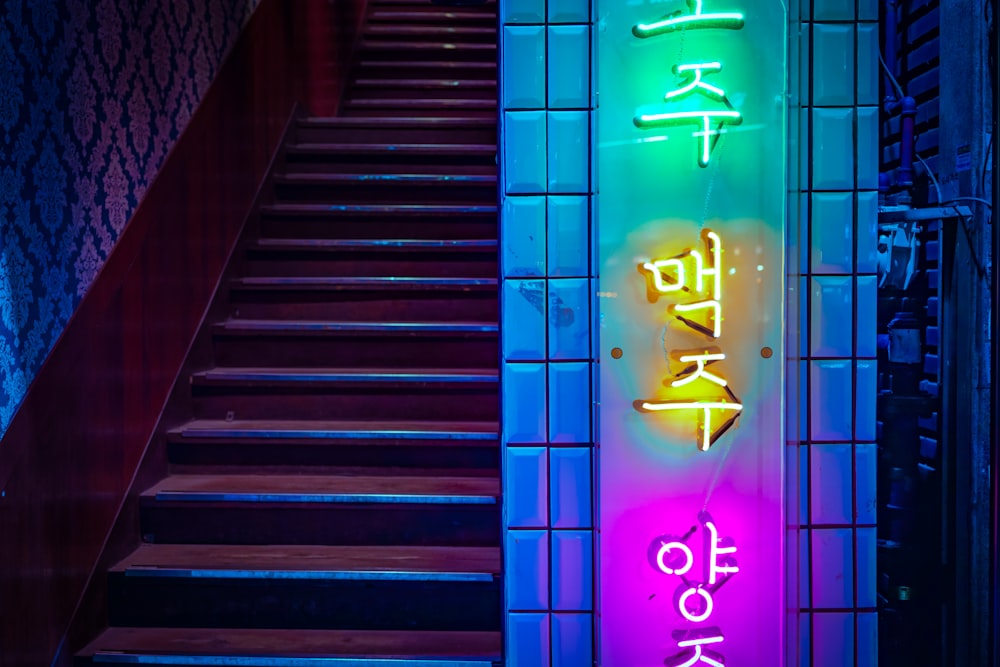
[(805, 638), (830, 406), (800, 401), (832, 243), (527, 563), (569, 152), (831, 319), (805, 585), (833, 149), (804, 67), (569, 66), (832, 639), (868, 640), (802, 324), (528, 640), (866, 390), (569, 402), (831, 484), (523, 236), (569, 236), (569, 487), (869, 70), (569, 318), (832, 568), (524, 142), (833, 63), (805, 123), (833, 10), (572, 640), (868, 10), (867, 566), (866, 467), (526, 487), (868, 151), (803, 488), (524, 320), (867, 312), (569, 11), (523, 67), (522, 11), (867, 226), (572, 570), (523, 393)]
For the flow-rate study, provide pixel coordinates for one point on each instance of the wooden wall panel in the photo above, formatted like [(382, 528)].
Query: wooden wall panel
[(71, 452)]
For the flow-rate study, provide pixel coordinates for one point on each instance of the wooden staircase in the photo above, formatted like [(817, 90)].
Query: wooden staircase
[(334, 497)]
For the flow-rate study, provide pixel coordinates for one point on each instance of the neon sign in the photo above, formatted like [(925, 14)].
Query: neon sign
[(695, 600), (690, 248), (711, 391), (711, 122)]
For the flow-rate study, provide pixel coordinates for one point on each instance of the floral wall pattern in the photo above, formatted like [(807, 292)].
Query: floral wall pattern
[(92, 97)]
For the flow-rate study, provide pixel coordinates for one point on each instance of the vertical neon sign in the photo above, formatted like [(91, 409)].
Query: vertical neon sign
[(691, 215)]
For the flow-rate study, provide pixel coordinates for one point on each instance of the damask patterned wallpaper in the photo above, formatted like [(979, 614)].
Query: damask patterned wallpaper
[(93, 95)]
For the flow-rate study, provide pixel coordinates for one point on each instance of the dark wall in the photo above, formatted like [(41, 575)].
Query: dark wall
[(66, 194), (93, 95)]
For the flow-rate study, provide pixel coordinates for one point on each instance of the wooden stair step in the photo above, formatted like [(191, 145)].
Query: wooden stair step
[(435, 31), (325, 489), (210, 647), (348, 562), (391, 179), (325, 376), (420, 102), (432, 14), (426, 84), (352, 283), (367, 210), (257, 327), (395, 149), (346, 432), (396, 122), (373, 447), (423, 65)]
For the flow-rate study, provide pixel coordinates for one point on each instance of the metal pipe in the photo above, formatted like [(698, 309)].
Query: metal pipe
[(891, 49), (994, 620), (907, 147)]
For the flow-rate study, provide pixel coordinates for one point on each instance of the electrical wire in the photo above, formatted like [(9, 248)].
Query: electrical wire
[(895, 84), (984, 202), (930, 174)]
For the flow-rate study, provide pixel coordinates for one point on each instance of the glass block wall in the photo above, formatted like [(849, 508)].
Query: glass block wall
[(549, 332), (547, 336)]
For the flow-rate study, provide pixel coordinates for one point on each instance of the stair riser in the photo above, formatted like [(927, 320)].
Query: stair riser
[(432, 34), (312, 165), (255, 603), (391, 161), (388, 50), (371, 454), (373, 305), (482, 227), (331, 524), (370, 191), (387, 134), (422, 351), (357, 402), (429, 96), (416, 69), (360, 263)]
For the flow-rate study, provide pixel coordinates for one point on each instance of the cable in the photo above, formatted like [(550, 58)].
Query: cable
[(899, 89), (930, 174), (984, 202)]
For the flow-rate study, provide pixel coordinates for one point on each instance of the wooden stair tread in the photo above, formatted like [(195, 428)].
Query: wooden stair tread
[(341, 283), (256, 327), (233, 374), (393, 45), (396, 121), (442, 14), (443, 31), (355, 245), (307, 178), (396, 148), (425, 83), (332, 485), (423, 102), (427, 64), (385, 209), (483, 560), (288, 643), (357, 431)]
